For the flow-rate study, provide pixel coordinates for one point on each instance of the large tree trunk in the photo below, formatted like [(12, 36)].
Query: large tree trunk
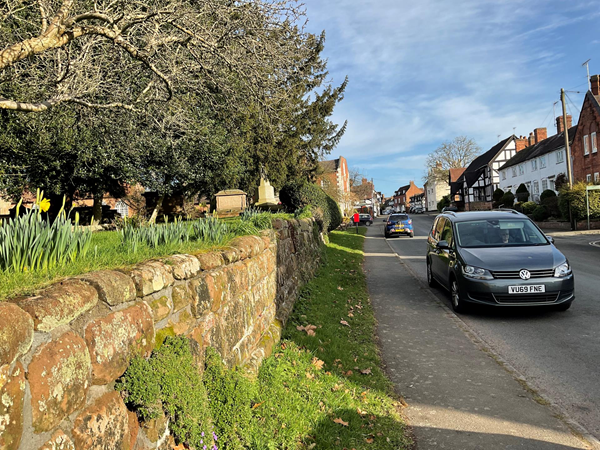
[(159, 202), (97, 208)]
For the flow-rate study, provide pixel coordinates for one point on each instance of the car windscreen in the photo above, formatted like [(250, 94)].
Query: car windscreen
[(398, 217), (499, 232)]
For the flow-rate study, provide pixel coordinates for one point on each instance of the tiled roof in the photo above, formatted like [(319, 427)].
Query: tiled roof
[(456, 173), (330, 166), (484, 159), (541, 148)]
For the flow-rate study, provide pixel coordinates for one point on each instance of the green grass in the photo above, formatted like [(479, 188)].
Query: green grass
[(106, 252), (312, 381)]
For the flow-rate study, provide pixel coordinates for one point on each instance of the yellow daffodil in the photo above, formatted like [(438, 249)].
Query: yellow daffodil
[(44, 204)]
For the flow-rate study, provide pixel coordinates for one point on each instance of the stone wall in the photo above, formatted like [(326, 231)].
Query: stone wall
[(62, 350)]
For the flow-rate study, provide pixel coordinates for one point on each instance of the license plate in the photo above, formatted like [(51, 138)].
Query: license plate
[(527, 289)]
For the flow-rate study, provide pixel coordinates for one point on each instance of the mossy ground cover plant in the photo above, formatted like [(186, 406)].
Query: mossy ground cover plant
[(322, 388)]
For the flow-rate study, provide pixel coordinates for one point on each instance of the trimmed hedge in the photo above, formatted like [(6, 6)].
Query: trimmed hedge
[(325, 209), (507, 200), (522, 193), (577, 198), (529, 207)]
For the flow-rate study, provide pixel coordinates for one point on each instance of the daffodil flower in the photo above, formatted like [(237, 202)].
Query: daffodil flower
[(44, 204)]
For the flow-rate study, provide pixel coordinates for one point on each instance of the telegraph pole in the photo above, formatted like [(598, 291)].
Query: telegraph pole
[(568, 152)]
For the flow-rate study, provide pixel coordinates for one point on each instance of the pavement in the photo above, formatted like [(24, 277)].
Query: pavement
[(459, 395)]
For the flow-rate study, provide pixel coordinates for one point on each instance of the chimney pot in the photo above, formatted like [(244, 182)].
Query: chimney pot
[(595, 82), (531, 139)]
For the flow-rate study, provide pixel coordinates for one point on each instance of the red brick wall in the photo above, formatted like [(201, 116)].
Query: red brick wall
[(412, 190), (589, 122)]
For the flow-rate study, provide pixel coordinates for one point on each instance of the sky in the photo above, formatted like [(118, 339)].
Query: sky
[(423, 72)]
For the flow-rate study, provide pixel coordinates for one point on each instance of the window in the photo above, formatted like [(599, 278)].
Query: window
[(447, 233), (560, 156), (514, 171), (504, 174), (594, 144), (542, 162), (533, 165), (536, 187), (588, 177), (122, 208), (596, 177), (551, 184), (586, 145), (544, 184), (521, 169)]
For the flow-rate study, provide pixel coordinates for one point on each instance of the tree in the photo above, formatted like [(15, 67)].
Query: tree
[(522, 193), (127, 54), (453, 154)]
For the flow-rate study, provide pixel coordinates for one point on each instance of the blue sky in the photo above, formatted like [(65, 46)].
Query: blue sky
[(423, 72)]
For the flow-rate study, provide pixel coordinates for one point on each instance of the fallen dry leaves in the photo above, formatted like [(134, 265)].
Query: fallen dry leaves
[(343, 322), (310, 329), (317, 363), (341, 422)]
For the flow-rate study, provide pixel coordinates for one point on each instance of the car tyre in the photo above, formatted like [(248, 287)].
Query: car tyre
[(430, 280), (564, 306), (458, 304), (368, 224), (412, 235)]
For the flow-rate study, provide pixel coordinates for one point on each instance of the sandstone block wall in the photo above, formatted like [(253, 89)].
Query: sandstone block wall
[(62, 350)]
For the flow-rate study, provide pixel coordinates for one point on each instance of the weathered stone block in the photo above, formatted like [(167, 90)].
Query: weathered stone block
[(182, 323), (59, 377), (209, 261), (58, 441), (202, 300), (16, 332), (182, 296), (184, 267), (151, 277), (116, 338), (60, 304), (203, 331), (113, 287), (233, 324), (254, 271), (103, 425), (12, 398), (155, 428), (217, 282), (238, 278), (230, 255), (161, 307)]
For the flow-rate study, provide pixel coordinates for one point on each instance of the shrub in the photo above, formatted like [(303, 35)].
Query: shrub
[(445, 201), (507, 200), (497, 198), (552, 204), (30, 242), (560, 181), (522, 193), (326, 211), (169, 383), (230, 400), (518, 206), (548, 193), (577, 198), (540, 213), (529, 207)]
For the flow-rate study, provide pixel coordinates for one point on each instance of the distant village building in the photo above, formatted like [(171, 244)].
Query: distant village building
[(538, 165), (335, 177), (584, 151), (403, 194), (434, 189)]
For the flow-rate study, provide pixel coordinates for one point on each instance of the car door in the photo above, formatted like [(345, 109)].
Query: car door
[(446, 258), (436, 268)]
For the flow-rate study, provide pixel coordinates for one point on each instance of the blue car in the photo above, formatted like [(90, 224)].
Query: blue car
[(398, 224)]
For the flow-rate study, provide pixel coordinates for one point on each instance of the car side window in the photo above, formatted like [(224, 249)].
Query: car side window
[(447, 234), (439, 227), (432, 232)]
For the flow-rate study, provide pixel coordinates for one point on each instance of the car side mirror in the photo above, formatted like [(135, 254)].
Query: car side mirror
[(443, 245), (550, 238)]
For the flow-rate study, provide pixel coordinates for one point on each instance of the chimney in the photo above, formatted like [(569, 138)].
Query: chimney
[(521, 143), (540, 134), (531, 139), (559, 123), (595, 82)]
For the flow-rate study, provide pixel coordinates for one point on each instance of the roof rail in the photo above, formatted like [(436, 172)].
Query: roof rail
[(514, 211), (450, 212)]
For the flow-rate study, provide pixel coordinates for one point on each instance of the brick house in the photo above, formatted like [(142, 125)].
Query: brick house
[(453, 177), (403, 194), (584, 151), (335, 176)]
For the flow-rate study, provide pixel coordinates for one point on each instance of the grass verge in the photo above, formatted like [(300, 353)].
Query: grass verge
[(323, 386)]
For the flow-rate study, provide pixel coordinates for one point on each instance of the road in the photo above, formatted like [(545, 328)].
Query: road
[(558, 353)]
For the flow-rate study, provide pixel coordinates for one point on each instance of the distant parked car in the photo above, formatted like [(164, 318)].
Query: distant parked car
[(398, 224), (498, 258), (418, 210), (366, 219)]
